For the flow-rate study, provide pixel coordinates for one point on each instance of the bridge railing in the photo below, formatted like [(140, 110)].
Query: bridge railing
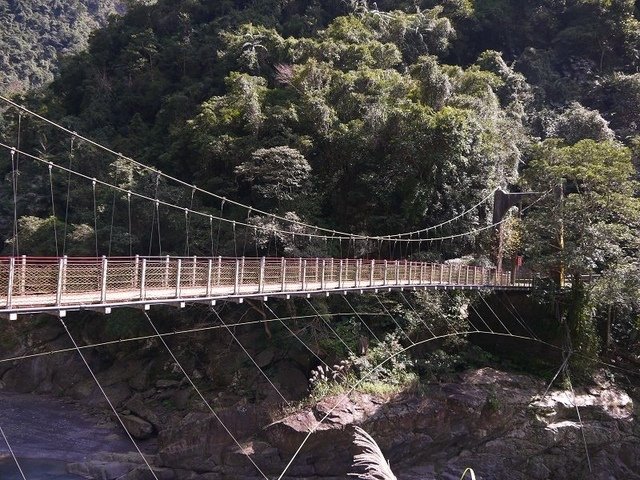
[(29, 282)]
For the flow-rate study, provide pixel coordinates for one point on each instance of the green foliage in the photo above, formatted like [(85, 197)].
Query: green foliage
[(34, 34), (277, 173), (597, 215), (585, 342), (579, 123), (386, 368)]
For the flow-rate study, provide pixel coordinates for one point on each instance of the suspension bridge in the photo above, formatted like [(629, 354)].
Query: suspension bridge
[(63, 283)]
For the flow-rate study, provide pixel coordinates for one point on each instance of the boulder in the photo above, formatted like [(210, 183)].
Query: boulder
[(138, 428)]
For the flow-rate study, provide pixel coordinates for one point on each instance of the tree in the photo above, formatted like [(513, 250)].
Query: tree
[(579, 123), (275, 174), (587, 226)]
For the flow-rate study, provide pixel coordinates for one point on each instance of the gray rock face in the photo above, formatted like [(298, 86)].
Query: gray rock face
[(140, 429), (494, 422)]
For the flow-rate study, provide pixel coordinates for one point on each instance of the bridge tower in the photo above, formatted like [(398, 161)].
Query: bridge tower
[(503, 201)]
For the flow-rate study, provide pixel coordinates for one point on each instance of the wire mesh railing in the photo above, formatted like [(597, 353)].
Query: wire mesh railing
[(31, 282)]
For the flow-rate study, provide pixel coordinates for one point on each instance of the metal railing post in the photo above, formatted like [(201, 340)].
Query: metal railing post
[(323, 283), (397, 272), (316, 271), (261, 275), (166, 272), (209, 273), (356, 281), (283, 274), (193, 274), (304, 274), (301, 281), (219, 272), (60, 286), (340, 273), (136, 266), (236, 282), (384, 281), (371, 273), (178, 278), (331, 270), (23, 275), (103, 283), (143, 280), (12, 272), (242, 271)]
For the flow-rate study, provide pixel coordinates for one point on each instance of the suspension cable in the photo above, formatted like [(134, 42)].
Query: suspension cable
[(13, 455), (186, 226), (575, 404), (130, 232), (416, 313), (95, 214), (14, 186), (53, 210), (494, 313), (66, 205), (250, 357), (106, 397), (211, 194), (344, 297), (113, 214), (219, 224), (330, 327), (392, 318), (297, 337), (266, 228), (204, 400), (481, 318), (16, 173), (169, 334), (211, 235)]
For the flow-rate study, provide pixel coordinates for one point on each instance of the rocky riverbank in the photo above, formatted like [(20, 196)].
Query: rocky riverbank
[(493, 421), (49, 435)]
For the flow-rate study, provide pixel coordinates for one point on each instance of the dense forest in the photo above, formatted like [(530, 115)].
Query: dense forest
[(367, 117), (35, 34)]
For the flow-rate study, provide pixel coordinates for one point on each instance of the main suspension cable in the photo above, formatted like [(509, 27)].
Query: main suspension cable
[(345, 235), (261, 227)]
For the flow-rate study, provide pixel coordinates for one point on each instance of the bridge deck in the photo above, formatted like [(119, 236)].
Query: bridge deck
[(57, 285)]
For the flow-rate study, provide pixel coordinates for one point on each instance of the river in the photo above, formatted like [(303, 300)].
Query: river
[(47, 433)]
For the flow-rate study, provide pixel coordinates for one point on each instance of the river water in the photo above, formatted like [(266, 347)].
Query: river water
[(47, 433)]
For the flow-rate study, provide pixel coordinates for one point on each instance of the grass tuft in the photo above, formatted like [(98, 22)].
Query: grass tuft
[(371, 459)]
